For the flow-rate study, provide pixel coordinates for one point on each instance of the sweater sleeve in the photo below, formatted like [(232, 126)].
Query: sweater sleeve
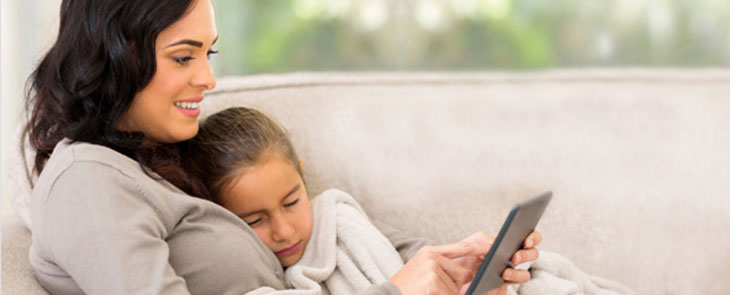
[(406, 246), (108, 237)]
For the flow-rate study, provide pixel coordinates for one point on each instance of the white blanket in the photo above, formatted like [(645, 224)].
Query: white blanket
[(345, 254), (554, 274)]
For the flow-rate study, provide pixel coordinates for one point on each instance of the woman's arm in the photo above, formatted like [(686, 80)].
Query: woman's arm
[(94, 226)]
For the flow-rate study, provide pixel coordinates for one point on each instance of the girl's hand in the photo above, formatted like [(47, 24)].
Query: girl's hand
[(519, 276), (473, 262), (432, 270)]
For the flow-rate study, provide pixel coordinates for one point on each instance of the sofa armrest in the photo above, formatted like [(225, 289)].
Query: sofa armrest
[(18, 276)]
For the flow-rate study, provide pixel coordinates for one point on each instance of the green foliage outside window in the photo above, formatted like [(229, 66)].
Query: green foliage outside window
[(315, 35)]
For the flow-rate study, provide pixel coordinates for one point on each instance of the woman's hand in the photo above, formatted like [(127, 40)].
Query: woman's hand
[(433, 271)]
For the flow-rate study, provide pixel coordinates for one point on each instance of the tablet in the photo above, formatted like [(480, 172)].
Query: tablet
[(519, 224)]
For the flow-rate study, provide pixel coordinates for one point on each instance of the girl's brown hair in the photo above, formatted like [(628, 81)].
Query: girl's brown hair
[(232, 140)]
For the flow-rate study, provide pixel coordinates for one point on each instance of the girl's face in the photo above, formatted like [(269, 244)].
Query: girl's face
[(167, 109), (270, 196)]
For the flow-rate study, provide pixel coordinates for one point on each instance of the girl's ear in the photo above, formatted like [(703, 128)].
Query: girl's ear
[(301, 163)]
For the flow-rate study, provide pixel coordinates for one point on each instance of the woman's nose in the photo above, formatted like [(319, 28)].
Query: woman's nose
[(204, 77)]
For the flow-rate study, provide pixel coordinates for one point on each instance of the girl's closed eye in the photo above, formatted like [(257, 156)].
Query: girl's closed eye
[(252, 221), (291, 203)]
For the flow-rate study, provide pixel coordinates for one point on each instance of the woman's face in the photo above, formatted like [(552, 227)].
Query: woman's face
[(271, 198), (167, 109)]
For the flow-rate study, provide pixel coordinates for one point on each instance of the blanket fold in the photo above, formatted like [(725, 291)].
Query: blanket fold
[(555, 274)]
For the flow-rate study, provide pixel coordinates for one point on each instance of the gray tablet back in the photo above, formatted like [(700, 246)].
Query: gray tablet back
[(521, 221)]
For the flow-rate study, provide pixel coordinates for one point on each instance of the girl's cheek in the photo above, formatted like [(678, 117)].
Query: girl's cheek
[(261, 233)]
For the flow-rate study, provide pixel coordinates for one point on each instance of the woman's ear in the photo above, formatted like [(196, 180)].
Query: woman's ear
[(301, 163)]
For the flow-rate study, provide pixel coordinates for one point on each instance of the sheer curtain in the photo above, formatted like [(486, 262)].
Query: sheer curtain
[(28, 29)]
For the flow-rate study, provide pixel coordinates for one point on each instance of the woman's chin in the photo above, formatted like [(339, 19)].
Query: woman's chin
[(183, 134)]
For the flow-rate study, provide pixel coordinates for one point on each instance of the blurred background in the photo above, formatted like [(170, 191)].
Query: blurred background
[(272, 36), (279, 36)]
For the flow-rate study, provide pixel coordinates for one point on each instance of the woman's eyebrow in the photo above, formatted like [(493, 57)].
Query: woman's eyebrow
[(190, 42), (186, 42)]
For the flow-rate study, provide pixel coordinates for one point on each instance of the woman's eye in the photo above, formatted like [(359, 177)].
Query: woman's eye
[(183, 60), (292, 203), (211, 52)]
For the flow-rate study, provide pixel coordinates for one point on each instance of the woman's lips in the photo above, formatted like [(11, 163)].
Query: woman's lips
[(189, 107), (290, 250)]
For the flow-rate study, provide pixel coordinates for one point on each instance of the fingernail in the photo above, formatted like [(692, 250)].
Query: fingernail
[(528, 243), (508, 274)]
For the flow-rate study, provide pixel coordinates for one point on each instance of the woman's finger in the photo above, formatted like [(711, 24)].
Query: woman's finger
[(525, 255), (515, 276)]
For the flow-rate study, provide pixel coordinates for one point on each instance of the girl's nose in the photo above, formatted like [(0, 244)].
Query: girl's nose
[(282, 230)]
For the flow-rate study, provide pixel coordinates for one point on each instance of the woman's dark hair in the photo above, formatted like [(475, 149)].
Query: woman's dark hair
[(103, 56), (232, 140)]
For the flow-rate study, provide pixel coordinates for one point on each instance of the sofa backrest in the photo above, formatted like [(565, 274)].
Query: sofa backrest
[(638, 160)]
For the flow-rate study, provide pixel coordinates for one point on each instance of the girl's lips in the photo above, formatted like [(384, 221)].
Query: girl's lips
[(290, 250)]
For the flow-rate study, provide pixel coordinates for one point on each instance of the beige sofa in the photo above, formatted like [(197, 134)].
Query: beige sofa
[(638, 160)]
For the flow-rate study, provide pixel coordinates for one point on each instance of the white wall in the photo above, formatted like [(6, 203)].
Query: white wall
[(28, 29)]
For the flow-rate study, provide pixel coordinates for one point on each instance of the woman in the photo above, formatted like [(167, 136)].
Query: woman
[(118, 90)]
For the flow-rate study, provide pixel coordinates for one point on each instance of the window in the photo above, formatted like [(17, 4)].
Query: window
[(294, 35)]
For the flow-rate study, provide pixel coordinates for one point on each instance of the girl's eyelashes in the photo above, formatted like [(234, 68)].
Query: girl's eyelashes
[(292, 203), (252, 223), (258, 220)]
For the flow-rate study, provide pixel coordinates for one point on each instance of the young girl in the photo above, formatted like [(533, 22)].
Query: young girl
[(251, 168)]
